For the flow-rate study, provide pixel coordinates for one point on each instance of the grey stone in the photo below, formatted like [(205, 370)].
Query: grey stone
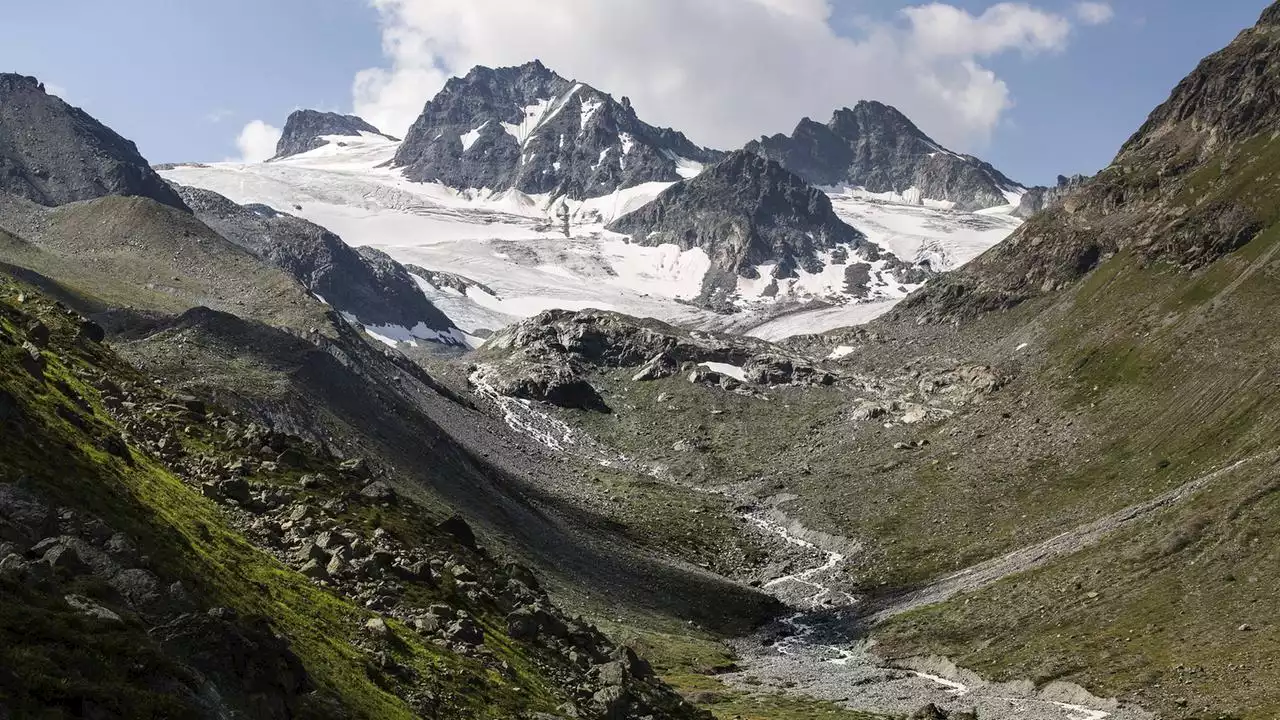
[(89, 608)]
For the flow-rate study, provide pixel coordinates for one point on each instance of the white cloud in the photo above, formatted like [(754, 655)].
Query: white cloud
[(1094, 13), (723, 71), (947, 31), (257, 142)]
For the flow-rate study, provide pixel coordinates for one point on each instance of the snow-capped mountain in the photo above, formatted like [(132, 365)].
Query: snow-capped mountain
[(474, 202), (768, 234), (529, 129), (307, 129), (875, 148)]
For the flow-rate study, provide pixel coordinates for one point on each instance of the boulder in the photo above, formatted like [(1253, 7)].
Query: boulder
[(89, 608), (659, 366), (460, 530), (379, 491), (465, 632)]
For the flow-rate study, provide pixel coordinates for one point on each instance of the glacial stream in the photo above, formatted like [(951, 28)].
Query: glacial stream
[(818, 652)]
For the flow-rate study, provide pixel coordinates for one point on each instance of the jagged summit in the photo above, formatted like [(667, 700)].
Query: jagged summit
[(876, 147), (305, 130), (746, 212), (528, 128), (53, 153)]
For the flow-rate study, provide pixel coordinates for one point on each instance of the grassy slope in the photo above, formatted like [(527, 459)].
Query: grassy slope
[(1179, 372), (188, 536)]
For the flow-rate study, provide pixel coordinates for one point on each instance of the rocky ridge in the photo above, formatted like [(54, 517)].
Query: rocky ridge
[(551, 357), (875, 147), (364, 284), (1192, 184), (1041, 198), (52, 153), (305, 130)]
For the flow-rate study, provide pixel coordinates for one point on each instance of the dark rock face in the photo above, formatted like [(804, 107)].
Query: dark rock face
[(530, 129), (54, 154), (365, 283), (747, 211), (304, 130), (876, 147), (1041, 198)]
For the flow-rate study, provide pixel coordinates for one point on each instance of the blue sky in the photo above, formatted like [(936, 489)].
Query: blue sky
[(182, 78)]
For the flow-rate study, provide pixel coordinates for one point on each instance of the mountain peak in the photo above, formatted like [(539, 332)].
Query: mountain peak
[(305, 130), (874, 146), (1271, 16), (54, 153), (528, 128), (748, 213)]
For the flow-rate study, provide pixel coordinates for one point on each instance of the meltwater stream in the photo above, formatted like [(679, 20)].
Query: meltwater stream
[(815, 653)]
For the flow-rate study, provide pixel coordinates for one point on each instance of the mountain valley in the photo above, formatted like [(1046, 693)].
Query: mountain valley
[(545, 412)]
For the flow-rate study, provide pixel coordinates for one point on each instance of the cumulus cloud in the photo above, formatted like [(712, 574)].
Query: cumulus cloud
[(257, 142), (1094, 13), (723, 71)]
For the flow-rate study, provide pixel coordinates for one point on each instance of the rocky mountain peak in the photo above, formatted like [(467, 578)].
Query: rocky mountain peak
[(1271, 16), (305, 130), (530, 129), (870, 116), (748, 211), (875, 147), (53, 153)]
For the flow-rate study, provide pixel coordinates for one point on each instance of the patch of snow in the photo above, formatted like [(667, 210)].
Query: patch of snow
[(603, 154), (470, 138), (945, 239), (841, 351), (956, 689), (394, 335), (589, 108), (733, 371), (531, 119), (1080, 712)]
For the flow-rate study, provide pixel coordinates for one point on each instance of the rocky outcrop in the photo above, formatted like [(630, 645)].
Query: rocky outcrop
[(874, 146), (365, 284), (529, 129), (747, 211), (305, 130), (54, 154), (1040, 198), (551, 357)]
